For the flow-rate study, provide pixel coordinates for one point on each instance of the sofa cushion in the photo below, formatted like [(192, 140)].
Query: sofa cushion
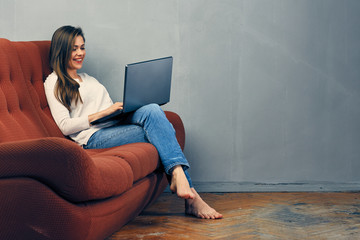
[(76, 174), (22, 107), (34, 60), (142, 158)]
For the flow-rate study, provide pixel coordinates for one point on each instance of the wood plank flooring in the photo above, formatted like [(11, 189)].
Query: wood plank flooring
[(252, 216)]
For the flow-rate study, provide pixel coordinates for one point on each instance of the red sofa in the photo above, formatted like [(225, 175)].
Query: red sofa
[(50, 188)]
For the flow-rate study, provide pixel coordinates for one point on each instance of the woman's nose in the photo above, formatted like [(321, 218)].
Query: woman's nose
[(80, 51)]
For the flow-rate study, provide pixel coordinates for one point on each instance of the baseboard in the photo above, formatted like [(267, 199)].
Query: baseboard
[(223, 187)]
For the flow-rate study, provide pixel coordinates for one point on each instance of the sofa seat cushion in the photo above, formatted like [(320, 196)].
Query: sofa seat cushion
[(142, 158), (74, 173)]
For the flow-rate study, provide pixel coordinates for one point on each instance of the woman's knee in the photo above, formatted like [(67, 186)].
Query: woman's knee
[(146, 113), (152, 108)]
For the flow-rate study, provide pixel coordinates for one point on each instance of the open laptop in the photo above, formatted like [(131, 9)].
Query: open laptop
[(145, 82)]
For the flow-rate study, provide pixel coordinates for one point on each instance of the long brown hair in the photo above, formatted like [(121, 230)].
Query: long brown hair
[(62, 42)]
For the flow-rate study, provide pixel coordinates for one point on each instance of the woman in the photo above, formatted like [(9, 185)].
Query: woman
[(76, 99)]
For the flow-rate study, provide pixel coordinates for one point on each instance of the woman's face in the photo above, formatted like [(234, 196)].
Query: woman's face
[(77, 55)]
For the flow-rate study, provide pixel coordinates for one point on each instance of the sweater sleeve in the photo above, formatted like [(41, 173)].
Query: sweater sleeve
[(60, 113)]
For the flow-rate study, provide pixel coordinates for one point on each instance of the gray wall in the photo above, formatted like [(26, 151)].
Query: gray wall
[(268, 90)]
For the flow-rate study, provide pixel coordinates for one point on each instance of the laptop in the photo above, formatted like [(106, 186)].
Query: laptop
[(145, 82)]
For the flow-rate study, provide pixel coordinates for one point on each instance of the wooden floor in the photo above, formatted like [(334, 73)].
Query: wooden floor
[(252, 216)]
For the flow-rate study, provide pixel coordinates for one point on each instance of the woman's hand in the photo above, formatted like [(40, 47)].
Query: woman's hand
[(113, 108)]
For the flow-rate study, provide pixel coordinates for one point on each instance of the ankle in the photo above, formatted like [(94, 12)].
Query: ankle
[(176, 170)]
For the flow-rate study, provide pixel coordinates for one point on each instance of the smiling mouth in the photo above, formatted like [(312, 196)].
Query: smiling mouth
[(80, 60)]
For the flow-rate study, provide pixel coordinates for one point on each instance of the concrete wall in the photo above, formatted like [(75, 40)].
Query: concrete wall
[(269, 91)]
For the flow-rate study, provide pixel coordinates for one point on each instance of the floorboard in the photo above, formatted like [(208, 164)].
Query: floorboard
[(252, 216)]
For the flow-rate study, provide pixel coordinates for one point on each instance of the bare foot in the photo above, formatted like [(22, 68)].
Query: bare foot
[(199, 208), (180, 184)]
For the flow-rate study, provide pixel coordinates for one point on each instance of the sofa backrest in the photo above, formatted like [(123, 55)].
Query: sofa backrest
[(24, 112)]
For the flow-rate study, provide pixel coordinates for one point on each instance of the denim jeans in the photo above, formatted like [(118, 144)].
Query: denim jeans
[(147, 124)]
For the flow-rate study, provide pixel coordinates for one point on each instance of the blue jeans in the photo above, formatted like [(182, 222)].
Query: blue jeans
[(147, 124)]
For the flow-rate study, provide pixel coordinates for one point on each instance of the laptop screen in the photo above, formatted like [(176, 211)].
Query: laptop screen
[(147, 82)]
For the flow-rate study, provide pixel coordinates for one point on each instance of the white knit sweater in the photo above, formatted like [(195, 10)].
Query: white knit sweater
[(75, 123)]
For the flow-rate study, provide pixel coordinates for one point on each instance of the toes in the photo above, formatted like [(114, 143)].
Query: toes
[(216, 215), (204, 216), (213, 215), (207, 215)]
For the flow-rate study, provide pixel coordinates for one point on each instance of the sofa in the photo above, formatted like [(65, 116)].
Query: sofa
[(50, 187)]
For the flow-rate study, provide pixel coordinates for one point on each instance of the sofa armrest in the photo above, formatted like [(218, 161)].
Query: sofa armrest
[(63, 166), (178, 125)]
